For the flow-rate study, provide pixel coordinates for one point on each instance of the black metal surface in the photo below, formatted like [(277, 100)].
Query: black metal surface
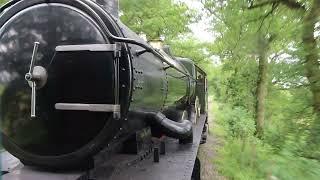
[(157, 86), (28, 173), (156, 155), (177, 163), (162, 148), (150, 82), (55, 137), (65, 83), (190, 66)]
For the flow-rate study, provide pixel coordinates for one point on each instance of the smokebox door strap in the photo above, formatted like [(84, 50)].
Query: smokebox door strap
[(88, 107)]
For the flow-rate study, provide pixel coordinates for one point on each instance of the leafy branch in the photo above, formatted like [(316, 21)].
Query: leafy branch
[(289, 3)]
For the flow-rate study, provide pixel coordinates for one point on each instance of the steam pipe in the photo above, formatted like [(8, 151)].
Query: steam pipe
[(179, 130)]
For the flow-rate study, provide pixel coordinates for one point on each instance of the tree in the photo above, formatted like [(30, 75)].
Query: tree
[(262, 82), (168, 20), (237, 37), (312, 67), (157, 18), (269, 72), (310, 16)]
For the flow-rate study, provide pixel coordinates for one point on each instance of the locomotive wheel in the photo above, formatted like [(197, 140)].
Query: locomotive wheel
[(196, 173)]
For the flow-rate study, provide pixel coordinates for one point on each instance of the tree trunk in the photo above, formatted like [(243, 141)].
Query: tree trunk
[(311, 51), (262, 84), (312, 64)]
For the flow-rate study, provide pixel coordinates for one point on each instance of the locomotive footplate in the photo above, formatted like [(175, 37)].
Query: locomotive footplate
[(177, 163)]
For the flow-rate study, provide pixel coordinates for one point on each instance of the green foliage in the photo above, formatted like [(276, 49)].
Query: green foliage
[(238, 121), (156, 18), (195, 50), (253, 160), (243, 160), (191, 48), (288, 167), (291, 140), (168, 20), (2, 2), (248, 158)]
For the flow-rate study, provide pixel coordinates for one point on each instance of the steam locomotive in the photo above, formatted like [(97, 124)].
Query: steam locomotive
[(74, 80)]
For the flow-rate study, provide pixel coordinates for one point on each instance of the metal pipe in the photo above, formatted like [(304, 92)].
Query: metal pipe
[(179, 130), (8, 4), (112, 6)]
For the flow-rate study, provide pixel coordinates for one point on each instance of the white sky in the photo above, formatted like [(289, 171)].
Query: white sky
[(200, 29)]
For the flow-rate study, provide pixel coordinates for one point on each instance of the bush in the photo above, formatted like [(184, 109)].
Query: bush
[(237, 121), (244, 157)]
